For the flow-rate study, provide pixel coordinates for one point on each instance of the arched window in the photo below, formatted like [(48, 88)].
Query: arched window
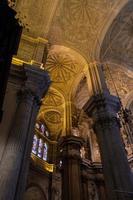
[(40, 148), (40, 141)]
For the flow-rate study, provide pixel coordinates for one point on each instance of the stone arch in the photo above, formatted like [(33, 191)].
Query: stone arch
[(113, 14), (65, 66), (80, 93)]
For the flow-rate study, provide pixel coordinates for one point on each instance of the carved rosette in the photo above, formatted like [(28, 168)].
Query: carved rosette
[(61, 67)]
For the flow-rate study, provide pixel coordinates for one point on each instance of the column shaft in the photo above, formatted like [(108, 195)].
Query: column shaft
[(14, 163), (118, 178), (71, 175), (28, 147), (13, 155)]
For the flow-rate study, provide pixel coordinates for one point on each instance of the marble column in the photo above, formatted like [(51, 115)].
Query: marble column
[(71, 174), (103, 109), (18, 147)]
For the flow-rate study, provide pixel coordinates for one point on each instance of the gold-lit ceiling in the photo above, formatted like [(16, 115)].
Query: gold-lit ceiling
[(66, 67), (73, 30)]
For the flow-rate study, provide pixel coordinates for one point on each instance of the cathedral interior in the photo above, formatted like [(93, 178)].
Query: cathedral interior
[(66, 131)]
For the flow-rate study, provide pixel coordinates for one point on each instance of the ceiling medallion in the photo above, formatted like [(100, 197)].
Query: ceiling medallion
[(61, 67), (52, 117)]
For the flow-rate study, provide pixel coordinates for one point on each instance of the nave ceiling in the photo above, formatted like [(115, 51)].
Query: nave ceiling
[(76, 32)]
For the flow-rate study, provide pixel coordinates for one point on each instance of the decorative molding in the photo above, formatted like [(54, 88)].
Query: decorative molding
[(53, 98), (42, 164), (52, 117)]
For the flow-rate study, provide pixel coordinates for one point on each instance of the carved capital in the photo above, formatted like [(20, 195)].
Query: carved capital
[(27, 95), (103, 108), (37, 80), (35, 84), (70, 147)]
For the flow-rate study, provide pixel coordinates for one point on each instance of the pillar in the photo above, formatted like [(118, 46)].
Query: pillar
[(89, 180), (85, 179), (103, 109), (13, 165), (71, 174), (100, 183), (10, 33)]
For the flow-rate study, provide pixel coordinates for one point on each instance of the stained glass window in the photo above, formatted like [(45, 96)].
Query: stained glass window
[(45, 151), (35, 144), (42, 129), (40, 147)]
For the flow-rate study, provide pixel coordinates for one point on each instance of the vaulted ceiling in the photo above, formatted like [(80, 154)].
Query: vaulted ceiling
[(77, 32), (78, 24), (118, 42)]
